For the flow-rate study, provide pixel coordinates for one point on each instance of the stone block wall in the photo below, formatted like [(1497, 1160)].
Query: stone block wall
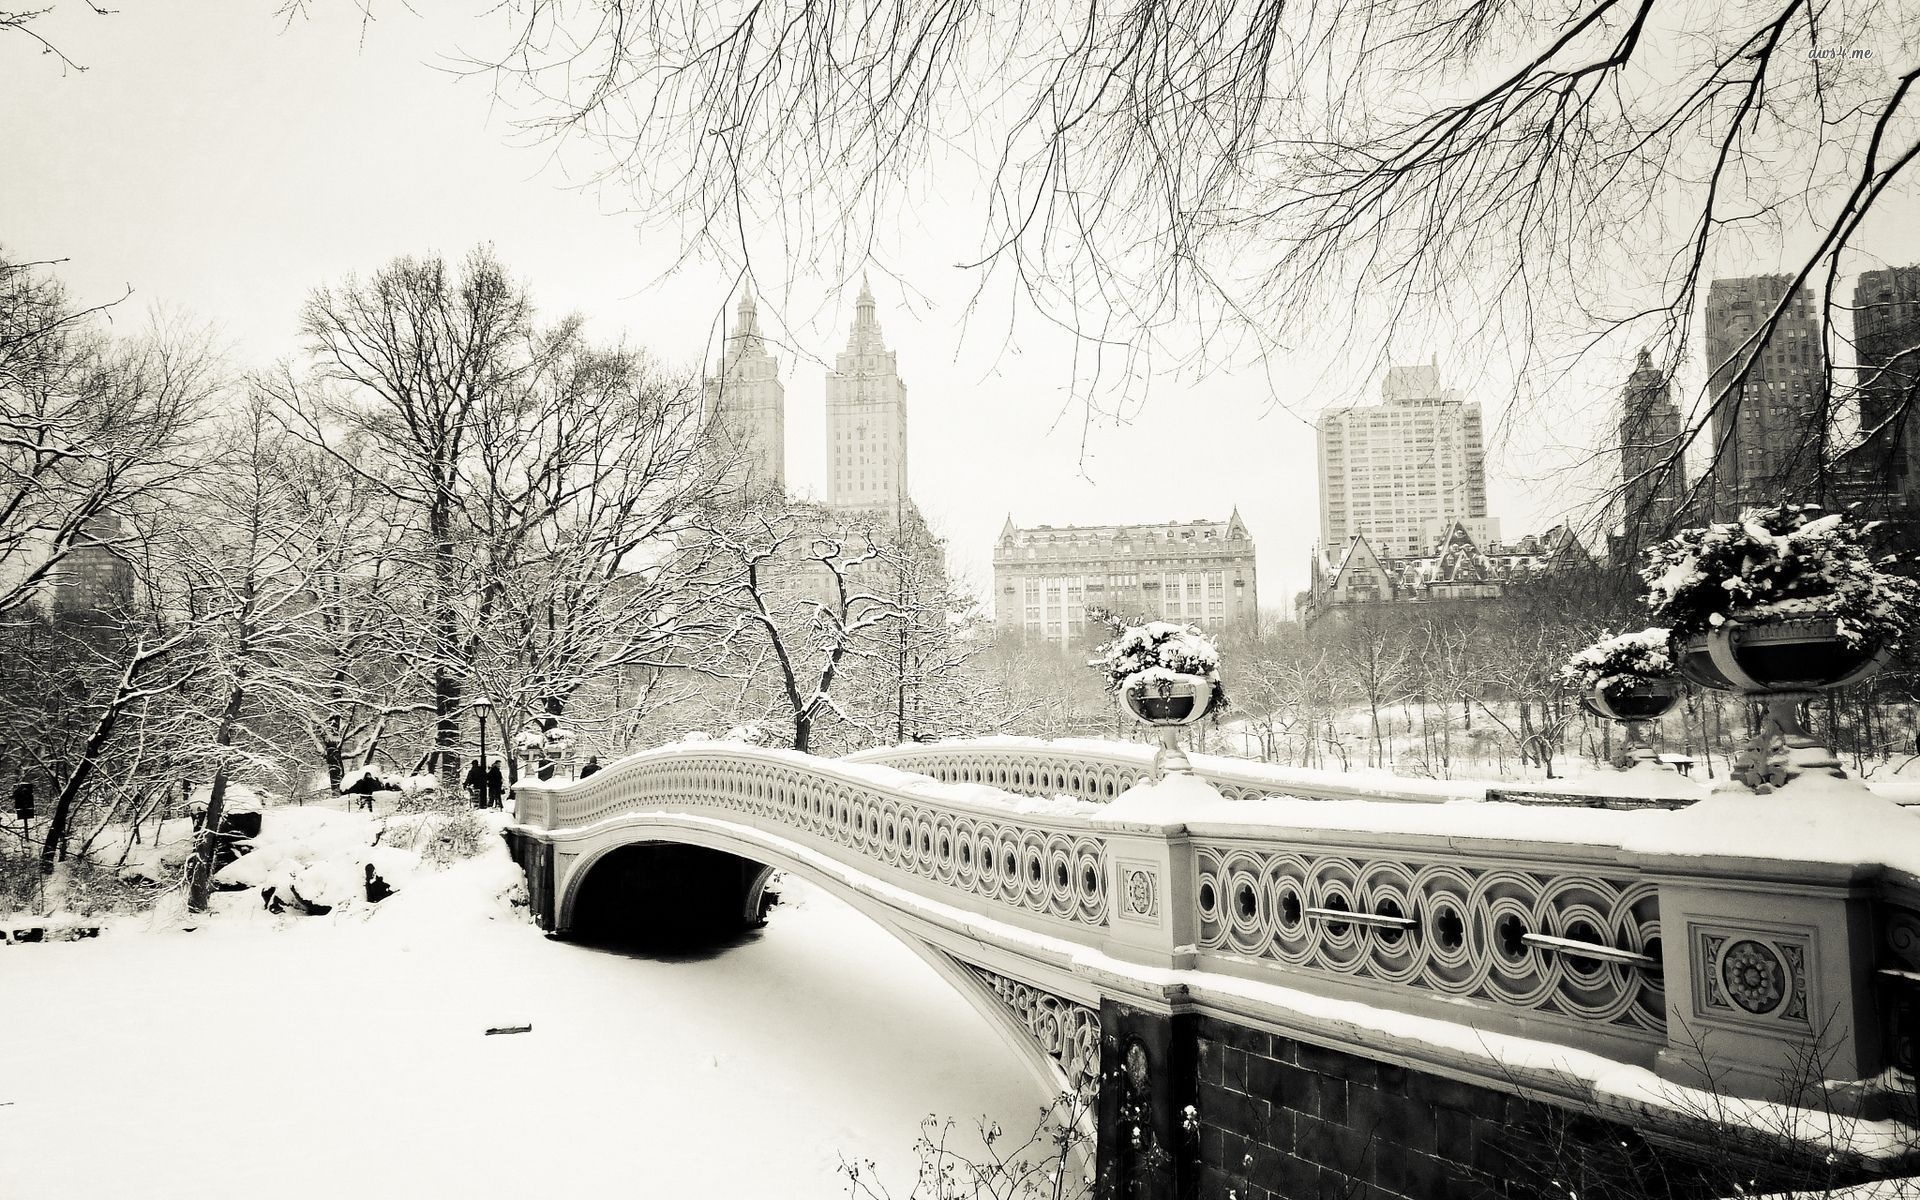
[(1287, 1120), (535, 857)]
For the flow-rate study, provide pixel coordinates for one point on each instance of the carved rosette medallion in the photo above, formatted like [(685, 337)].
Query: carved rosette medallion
[(1139, 892), (1744, 973), (1754, 976), (1066, 1032), (1138, 1069)]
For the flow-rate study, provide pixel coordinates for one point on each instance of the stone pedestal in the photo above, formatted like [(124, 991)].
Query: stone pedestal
[(1768, 982)]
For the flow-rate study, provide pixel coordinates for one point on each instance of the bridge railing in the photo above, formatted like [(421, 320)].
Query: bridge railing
[(1556, 924), (994, 851), (1101, 770)]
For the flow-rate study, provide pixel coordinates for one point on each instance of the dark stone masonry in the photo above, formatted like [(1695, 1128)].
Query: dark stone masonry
[(1279, 1119)]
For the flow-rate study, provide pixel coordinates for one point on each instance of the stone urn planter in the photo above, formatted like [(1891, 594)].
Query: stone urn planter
[(1628, 678), (1636, 704), (1783, 664), (1167, 675), (1778, 606), (1167, 702)]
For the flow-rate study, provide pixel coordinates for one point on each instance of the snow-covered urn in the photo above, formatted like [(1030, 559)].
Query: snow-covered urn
[(1168, 676), (1629, 678), (554, 745), (1783, 603)]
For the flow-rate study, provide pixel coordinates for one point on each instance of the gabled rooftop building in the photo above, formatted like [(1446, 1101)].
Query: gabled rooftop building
[(1454, 568)]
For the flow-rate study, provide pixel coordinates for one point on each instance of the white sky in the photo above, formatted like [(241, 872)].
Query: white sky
[(221, 166)]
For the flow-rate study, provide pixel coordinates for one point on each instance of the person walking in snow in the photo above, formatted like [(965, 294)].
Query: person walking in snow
[(476, 782), (593, 764), (496, 784)]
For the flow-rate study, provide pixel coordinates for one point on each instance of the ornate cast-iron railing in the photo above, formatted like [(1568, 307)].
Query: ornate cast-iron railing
[(1047, 868), (1571, 941)]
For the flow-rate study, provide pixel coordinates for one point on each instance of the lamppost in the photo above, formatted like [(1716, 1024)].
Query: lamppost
[(481, 707)]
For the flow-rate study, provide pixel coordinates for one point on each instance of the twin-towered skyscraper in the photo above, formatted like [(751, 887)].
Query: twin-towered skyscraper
[(866, 413)]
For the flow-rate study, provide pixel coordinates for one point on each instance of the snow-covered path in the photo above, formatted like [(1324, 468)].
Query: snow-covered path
[(334, 1059)]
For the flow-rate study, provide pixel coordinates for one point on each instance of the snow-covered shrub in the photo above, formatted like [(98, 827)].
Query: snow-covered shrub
[(459, 835), (422, 793), (443, 833), (1155, 655), (1777, 564), (1647, 654)]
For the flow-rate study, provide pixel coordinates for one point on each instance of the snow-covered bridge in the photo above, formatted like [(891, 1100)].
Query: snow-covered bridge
[(1397, 989)]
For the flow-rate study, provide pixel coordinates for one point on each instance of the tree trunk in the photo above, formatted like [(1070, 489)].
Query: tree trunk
[(206, 846), (62, 815), (336, 759), (447, 683)]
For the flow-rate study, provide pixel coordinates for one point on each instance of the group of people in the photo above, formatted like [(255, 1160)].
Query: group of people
[(487, 785)]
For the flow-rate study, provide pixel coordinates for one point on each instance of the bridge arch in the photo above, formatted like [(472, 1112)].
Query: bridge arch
[(1054, 1037)]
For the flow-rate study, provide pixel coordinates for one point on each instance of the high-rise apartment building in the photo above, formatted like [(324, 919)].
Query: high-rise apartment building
[(1770, 395), (1197, 573), (747, 405), (1653, 478), (1391, 471), (93, 580), (866, 419), (1886, 338)]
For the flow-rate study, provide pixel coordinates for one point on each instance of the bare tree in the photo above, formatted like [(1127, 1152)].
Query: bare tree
[(243, 558), (440, 388), (366, 680), (1375, 662), (89, 426), (785, 600), (1267, 168), (590, 597)]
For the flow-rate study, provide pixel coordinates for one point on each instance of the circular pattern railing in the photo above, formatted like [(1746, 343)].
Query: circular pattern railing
[(1040, 867), (1579, 945)]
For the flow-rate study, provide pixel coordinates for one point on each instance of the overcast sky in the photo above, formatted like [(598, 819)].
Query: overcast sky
[(220, 165)]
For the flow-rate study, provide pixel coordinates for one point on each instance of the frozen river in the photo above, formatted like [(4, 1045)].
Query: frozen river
[(349, 1059)]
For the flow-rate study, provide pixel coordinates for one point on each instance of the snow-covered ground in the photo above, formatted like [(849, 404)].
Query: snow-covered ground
[(327, 1056)]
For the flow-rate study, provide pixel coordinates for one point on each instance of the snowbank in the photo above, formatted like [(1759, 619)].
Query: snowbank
[(321, 860)]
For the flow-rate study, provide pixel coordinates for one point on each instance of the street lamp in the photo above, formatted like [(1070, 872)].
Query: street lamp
[(481, 707)]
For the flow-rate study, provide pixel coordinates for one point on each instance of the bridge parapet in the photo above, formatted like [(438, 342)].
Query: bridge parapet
[(1041, 863), (1090, 769), (1572, 928)]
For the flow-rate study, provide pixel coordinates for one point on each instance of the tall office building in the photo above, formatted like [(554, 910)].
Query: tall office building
[(1653, 477), (1770, 396), (866, 419), (1197, 573), (1392, 471), (747, 405), (93, 580)]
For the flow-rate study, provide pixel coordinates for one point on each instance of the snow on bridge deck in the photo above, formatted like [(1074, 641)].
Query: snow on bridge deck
[(1565, 950)]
